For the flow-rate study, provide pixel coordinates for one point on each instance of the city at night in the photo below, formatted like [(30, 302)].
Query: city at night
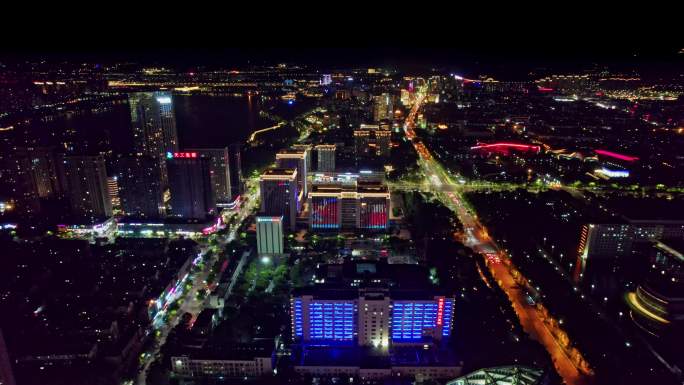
[(318, 216)]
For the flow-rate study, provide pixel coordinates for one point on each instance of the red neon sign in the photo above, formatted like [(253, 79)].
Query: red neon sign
[(440, 311), (617, 156), (514, 145), (185, 155)]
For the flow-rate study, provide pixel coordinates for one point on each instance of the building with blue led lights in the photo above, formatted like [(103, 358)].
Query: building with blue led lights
[(371, 304), (372, 320)]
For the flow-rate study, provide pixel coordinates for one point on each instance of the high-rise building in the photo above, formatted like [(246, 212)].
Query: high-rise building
[(376, 315), (616, 240), (269, 231), (192, 194), (374, 205), (154, 126), (405, 97), (382, 107), (279, 191), (6, 375), (220, 176), (86, 178), (362, 303), (296, 158), (154, 123), (361, 143), (383, 142), (372, 140), (326, 157), (42, 168), (235, 170), (356, 206), (307, 149), (113, 190), (17, 185), (140, 190)]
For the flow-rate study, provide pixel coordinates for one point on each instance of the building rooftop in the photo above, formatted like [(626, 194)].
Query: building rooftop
[(279, 173), (235, 351)]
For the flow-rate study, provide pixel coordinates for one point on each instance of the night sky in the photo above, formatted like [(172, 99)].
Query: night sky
[(506, 61)]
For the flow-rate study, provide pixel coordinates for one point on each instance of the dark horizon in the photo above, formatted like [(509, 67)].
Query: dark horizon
[(507, 62)]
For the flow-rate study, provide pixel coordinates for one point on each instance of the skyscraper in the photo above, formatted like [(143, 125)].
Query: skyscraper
[(86, 178), (326, 157), (220, 175), (42, 168), (383, 142), (382, 107), (113, 190), (296, 158), (278, 187), (235, 170), (307, 152), (140, 190), (154, 125), (269, 235), (192, 194), (17, 185)]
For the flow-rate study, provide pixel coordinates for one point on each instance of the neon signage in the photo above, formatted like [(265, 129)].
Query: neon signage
[(181, 155)]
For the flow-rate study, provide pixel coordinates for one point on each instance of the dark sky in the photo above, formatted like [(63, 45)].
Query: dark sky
[(501, 60)]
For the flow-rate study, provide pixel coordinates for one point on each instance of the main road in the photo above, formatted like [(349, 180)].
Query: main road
[(477, 237), (190, 302)]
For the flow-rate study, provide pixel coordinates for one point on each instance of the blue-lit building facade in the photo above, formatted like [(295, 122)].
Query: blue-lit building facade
[(371, 318)]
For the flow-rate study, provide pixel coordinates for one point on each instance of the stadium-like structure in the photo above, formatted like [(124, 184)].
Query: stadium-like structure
[(501, 375)]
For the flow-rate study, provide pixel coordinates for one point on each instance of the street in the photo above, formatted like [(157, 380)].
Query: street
[(476, 237), (190, 303)]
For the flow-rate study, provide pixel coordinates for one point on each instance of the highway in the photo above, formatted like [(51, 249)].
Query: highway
[(477, 238)]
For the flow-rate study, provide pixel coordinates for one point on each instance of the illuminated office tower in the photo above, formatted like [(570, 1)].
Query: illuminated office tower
[(374, 205), (269, 231), (154, 126), (113, 190), (325, 208), (326, 157), (192, 194), (405, 97), (382, 107), (296, 158), (349, 205), (154, 123), (220, 177), (361, 143), (86, 178), (383, 142), (140, 191), (278, 189), (235, 170), (306, 148), (374, 320), (366, 317)]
